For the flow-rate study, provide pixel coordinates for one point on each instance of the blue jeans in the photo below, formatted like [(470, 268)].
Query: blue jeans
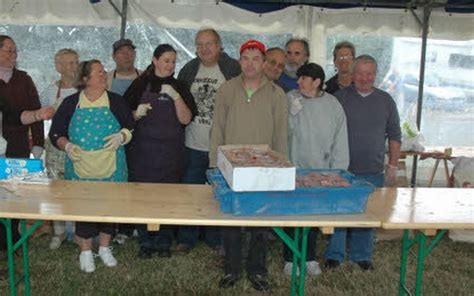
[(198, 163), (359, 240)]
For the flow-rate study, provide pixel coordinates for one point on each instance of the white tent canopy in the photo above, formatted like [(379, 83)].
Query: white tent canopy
[(311, 22)]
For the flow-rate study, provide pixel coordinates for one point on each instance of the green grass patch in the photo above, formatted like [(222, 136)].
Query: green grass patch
[(448, 271)]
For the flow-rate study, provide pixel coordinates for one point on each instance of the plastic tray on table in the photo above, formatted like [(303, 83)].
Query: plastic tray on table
[(301, 201)]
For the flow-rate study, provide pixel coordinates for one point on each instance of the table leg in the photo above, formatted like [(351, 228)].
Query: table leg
[(433, 173), (423, 252), (304, 248), (403, 266), (10, 255), (11, 248), (298, 253)]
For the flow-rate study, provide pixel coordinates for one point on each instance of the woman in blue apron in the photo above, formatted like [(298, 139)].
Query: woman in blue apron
[(92, 126), (162, 106)]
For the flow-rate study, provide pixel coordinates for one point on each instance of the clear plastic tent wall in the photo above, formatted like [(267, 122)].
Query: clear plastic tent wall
[(392, 36)]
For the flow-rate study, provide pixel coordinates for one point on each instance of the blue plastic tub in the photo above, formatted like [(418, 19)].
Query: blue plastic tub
[(19, 166), (302, 201)]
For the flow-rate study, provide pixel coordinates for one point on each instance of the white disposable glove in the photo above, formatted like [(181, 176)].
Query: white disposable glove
[(390, 176), (142, 110), (113, 141), (37, 151), (170, 91), (3, 146), (73, 151)]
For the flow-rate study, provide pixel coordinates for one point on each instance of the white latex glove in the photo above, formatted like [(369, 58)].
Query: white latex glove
[(113, 141), (170, 91), (73, 151), (390, 176), (141, 111), (3, 146), (37, 151)]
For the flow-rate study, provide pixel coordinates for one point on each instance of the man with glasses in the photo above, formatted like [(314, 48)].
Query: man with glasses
[(20, 104), (203, 75), (274, 65), (297, 54), (343, 53)]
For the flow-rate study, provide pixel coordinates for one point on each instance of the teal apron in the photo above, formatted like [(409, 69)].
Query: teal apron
[(87, 129)]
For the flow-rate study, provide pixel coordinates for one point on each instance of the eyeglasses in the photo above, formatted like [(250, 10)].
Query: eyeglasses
[(205, 45), (345, 58), (9, 51)]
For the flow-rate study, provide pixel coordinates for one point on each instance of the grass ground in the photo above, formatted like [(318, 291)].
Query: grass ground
[(448, 271)]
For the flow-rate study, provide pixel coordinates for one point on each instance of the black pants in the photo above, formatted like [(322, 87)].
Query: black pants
[(256, 259), (87, 230), (3, 234), (310, 251)]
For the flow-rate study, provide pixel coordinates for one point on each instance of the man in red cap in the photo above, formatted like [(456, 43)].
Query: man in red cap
[(249, 109)]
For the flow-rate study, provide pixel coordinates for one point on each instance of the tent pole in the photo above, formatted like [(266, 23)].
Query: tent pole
[(123, 16), (426, 20)]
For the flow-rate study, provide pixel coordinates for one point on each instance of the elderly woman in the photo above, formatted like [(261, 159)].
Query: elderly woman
[(162, 107), (92, 126)]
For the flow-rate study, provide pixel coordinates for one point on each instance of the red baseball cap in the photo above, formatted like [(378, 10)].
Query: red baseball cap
[(253, 44)]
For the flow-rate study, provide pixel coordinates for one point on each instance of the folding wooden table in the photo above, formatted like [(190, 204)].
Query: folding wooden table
[(430, 211), (154, 205)]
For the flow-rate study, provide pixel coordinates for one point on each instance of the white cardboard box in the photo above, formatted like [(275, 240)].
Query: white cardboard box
[(256, 178)]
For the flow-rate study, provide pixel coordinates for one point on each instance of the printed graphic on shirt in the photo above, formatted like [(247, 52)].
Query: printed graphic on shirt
[(204, 88), (204, 96)]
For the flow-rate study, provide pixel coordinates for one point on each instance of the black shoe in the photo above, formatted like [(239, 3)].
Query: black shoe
[(365, 265), (331, 264), (164, 253), (228, 281), (145, 253), (259, 283)]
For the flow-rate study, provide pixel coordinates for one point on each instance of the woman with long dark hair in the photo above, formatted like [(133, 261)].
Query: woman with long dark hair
[(162, 106)]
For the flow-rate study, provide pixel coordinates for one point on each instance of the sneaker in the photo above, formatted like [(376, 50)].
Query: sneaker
[(259, 282), (86, 261), (228, 281), (105, 253), (55, 243), (312, 268), (365, 265), (288, 269), (120, 238)]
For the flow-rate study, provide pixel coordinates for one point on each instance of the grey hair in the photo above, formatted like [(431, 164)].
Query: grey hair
[(364, 59), (302, 41), (64, 51), (212, 31)]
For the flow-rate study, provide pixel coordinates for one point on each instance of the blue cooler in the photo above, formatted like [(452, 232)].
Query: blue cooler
[(301, 201)]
